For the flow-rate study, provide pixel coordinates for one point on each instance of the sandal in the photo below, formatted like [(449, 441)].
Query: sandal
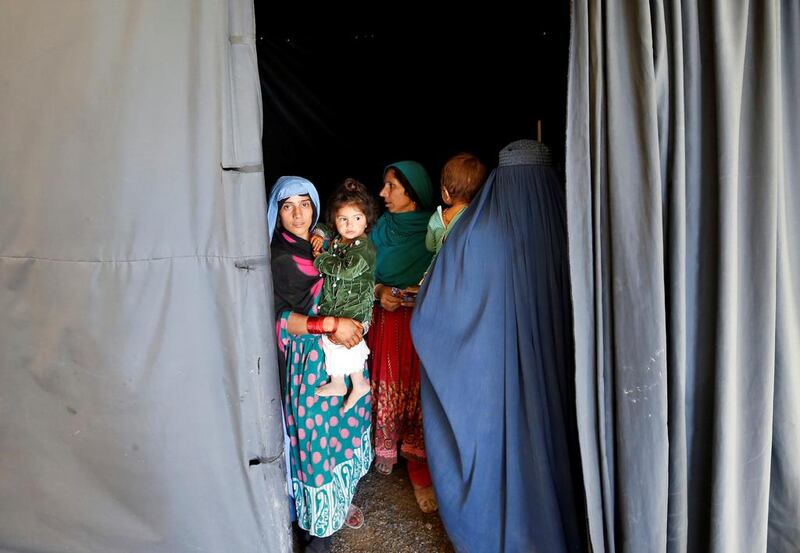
[(354, 518), (426, 499), (384, 466)]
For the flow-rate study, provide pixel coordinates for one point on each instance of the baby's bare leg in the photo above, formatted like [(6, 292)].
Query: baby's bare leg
[(335, 387), (360, 389)]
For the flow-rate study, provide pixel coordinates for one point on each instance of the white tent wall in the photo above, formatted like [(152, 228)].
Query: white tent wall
[(137, 354)]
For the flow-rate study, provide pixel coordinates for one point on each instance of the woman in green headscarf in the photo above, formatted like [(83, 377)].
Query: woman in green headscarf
[(399, 236)]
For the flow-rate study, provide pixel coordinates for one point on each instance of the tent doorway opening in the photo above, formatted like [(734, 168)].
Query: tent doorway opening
[(347, 101)]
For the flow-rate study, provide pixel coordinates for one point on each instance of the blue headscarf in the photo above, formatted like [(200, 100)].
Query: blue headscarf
[(284, 188)]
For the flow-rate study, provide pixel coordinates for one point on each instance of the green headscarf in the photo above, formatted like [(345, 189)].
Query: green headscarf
[(419, 180), (400, 237)]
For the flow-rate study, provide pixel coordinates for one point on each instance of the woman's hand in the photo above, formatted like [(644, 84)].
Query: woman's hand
[(348, 334), (408, 296), (389, 301)]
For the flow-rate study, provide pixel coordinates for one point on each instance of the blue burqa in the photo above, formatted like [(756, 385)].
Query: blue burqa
[(493, 329)]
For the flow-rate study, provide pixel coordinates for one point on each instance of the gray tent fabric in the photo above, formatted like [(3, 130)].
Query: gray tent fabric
[(139, 397), (683, 183)]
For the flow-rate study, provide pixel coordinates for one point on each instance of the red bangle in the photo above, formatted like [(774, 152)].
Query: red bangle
[(314, 325), (335, 325)]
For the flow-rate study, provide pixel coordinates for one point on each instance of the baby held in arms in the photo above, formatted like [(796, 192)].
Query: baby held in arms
[(348, 265)]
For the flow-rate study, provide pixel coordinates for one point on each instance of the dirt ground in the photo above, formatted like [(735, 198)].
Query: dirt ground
[(393, 522)]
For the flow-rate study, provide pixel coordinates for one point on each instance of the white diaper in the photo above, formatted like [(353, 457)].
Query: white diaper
[(340, 361)]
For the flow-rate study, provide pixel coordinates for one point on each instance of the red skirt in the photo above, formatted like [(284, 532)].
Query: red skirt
[(394, 372)]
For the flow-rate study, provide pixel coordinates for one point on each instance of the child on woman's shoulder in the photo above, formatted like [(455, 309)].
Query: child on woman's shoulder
[(462, 177)]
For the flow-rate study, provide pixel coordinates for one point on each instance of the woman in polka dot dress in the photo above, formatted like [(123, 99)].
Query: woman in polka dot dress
[(329, 450)]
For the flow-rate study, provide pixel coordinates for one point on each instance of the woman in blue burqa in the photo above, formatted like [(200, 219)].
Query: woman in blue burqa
[(493, 328)]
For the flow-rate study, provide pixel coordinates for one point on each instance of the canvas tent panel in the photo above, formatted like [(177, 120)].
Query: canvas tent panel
[(139, 403)]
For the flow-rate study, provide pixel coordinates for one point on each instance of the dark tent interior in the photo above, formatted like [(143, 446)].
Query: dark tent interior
[(347, 100)]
